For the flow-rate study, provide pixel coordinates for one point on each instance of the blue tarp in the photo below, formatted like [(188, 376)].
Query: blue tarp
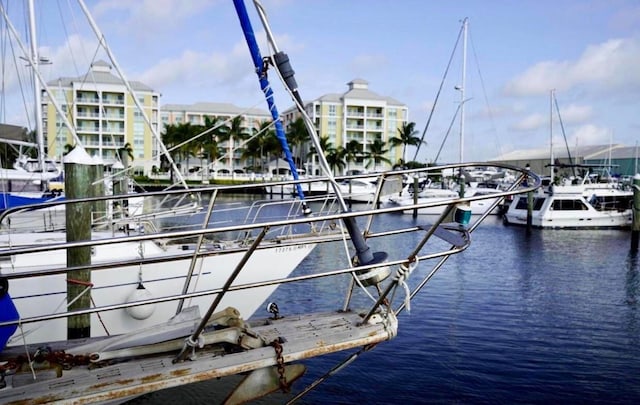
[(8, 200), (8, 312)]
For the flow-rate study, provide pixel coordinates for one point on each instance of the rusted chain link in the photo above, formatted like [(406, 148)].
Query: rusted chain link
[(65, 360), (284, 386)]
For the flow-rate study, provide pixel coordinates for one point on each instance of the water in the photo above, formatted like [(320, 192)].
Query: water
[(550, 316)]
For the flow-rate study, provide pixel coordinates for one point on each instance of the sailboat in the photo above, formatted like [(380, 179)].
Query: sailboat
[(410, 195), (28, 182), (185, 301)]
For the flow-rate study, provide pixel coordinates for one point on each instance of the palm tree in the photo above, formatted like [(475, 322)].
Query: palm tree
[(352, 151), (407, 135), (377, 153), (263, 141), (324, 146), (235, 133), (68, 148), (208, 143), (297, 135), (124, 153), (335, 158)]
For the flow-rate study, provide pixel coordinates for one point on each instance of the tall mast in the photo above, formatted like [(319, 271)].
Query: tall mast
[(465, 24), (37, 96), (551, 96)]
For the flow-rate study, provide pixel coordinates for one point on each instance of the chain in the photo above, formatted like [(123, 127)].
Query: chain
[(280, 360), (67, 361)]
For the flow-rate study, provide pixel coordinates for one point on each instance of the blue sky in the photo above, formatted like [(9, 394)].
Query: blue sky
[(190, 51)]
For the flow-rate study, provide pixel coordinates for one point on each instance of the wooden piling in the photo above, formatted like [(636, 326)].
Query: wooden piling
[(416, 190), (529, 209), (635, 226), (97, 188), (78, 167)]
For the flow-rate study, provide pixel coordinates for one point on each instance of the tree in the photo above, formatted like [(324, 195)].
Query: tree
[(324, 146), (352, 151), (124, 153), (407, 135), (377, 153), (234, 133), (208, 143), (262, 142), (335, 158), (68, 148), (297, 136)]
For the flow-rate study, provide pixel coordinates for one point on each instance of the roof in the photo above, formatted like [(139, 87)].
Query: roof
[(100, 73), (12, 132), (584, 151), (358, 88), (215, 108)]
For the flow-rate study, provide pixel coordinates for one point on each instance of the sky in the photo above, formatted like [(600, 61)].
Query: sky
[(586, 51)]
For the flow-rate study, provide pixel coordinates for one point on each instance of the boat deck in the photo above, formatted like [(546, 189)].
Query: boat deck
[(299, 337)]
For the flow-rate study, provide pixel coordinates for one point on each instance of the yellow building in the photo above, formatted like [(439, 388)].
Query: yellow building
[(104, 116), (358, 114)]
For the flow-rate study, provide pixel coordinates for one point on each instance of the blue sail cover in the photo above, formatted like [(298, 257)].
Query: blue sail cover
[(8, 200), (8, 312)]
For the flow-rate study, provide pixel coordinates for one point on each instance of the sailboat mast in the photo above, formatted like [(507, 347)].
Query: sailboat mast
[(37, 90), (551, 95), (463, 84)]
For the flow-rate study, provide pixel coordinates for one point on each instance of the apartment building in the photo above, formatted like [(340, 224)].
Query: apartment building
[(357, 114), (195, 114), (104, 115)]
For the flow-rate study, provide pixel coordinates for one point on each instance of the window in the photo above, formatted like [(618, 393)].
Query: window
[(569, 205)]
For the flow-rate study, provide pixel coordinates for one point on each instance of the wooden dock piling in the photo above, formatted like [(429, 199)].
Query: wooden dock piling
[(635, 226), (79, 170)]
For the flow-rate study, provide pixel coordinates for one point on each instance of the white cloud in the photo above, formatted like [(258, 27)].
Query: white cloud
[(530, 122), (150, 13), (589, 134), (575, 113), (608, 67)]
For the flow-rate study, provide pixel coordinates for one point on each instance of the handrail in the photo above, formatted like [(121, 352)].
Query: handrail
[(254, 223)]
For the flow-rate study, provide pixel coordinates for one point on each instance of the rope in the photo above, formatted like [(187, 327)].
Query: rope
[(403, 273), (26, 349)]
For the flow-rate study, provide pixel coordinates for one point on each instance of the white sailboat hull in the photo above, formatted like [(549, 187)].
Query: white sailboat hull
[(35, 296)]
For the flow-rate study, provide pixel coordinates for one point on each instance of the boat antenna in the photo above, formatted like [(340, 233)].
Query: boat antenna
[(286, 72)]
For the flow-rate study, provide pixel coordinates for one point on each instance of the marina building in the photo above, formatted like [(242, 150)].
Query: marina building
[(360, 115), (105, 116), (615, 160), (107, 121)]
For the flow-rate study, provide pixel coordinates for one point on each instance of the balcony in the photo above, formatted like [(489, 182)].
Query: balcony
[(87, 100), (112, 101)]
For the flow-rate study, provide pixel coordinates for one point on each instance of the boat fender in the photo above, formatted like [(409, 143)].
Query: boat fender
[(140, 312)]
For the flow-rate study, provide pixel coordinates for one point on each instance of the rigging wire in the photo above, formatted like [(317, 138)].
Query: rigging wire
[(573, 168), (484, 93), (435, 102)]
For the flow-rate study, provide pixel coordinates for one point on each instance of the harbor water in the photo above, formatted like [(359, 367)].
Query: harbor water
[(519, 317)]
